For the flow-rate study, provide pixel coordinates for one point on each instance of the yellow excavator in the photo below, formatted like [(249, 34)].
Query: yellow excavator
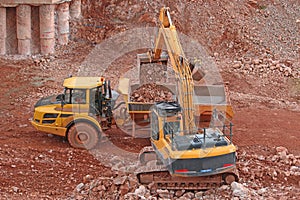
[(187, 156)]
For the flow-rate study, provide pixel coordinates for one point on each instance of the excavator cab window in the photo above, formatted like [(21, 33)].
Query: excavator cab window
[(171, 128), (154, 126)]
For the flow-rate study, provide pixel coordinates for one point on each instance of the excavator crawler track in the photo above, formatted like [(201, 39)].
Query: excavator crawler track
[(157, 176)]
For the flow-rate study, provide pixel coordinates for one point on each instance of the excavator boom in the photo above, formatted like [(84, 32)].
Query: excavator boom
[(167, 35)]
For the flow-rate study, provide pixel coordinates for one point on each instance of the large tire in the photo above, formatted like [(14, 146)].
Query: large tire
[(83, 136)]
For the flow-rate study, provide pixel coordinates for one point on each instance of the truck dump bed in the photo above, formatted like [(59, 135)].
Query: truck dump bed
[(206, 99)]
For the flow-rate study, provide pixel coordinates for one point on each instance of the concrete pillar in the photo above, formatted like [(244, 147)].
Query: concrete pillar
[(63, 23), (2, 31), (35, 30), (24, 29), (47, 29), (75, 9)]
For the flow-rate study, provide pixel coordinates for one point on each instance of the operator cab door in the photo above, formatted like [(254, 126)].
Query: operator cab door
[(157, 136), (154, 127), (96, 101), (76, 100)]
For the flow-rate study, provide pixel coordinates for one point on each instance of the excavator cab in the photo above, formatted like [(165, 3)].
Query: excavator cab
[(165, 120), (177, 149)]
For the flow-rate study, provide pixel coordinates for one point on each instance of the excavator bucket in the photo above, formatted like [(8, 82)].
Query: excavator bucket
[(145, 58), (148, 58)]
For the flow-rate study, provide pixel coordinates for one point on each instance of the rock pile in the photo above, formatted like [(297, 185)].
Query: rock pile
[(269, 175), (265, 66), (115, 183), (286, 165), (277, 170), (105, 187), (153, 73), (150, 93)]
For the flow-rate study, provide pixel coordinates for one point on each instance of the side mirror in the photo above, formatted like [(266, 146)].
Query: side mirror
[(61, 98), (62, 103)]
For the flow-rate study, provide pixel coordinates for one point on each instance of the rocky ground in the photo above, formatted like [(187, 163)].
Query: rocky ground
[(276, 166), (255, 46)]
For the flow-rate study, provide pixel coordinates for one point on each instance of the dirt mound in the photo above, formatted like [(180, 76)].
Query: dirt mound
[(245, 27), (238, 32)]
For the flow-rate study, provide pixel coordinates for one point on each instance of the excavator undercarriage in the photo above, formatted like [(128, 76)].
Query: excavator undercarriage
[(154, 173)]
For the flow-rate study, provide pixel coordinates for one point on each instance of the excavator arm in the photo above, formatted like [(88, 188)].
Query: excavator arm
[(168, 37)]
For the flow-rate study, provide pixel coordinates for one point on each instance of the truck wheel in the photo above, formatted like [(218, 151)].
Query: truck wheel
[(83, 136)]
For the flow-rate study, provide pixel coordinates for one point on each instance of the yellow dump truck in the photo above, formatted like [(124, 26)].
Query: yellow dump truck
[(80, 113)]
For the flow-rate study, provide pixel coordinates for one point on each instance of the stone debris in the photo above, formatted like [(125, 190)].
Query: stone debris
[(79, 187), (189, 195), (252, 168), (15, 189), (238, 190), (179, 193), (150, 93), (262, 191), (153, 73), (87, 178), (265, 66), (165, 194), (141, 191), (120, 180)]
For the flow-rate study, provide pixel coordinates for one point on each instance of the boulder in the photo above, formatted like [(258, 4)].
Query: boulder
[(238, 190), (165, 194), (120, 180)]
